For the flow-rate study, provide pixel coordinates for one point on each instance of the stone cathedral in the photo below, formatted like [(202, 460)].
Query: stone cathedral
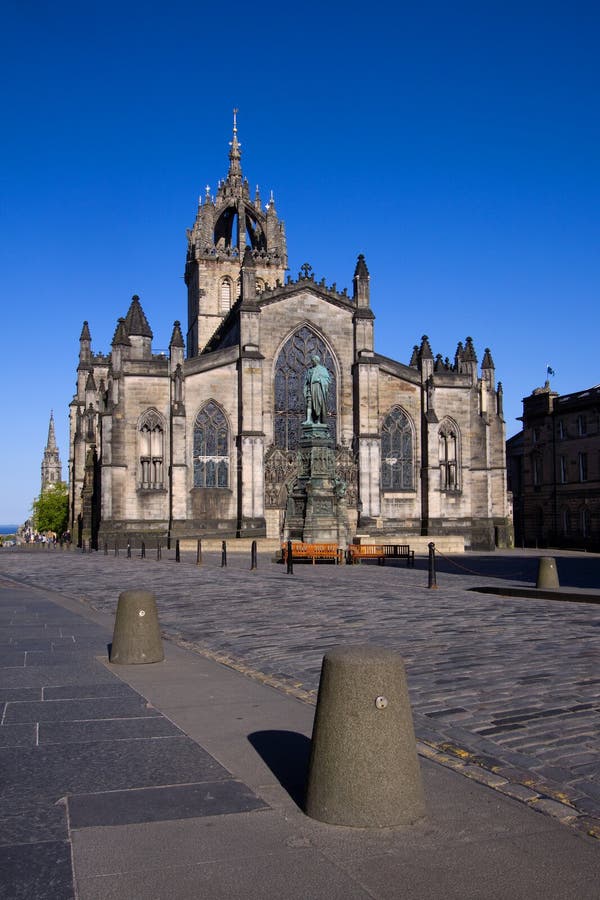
[(205, 440)]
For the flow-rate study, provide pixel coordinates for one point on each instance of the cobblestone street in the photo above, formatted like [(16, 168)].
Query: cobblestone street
[(505, 690)]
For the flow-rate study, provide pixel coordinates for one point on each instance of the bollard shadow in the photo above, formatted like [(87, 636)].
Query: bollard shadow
[(287, 754)]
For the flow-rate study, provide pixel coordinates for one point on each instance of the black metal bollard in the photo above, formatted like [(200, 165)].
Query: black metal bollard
[(199, 553), (290, 559), (128, 550), (158, 551), (116, 549), (105, 548), (224, 554), (253, 557), (143, 550), (177, 551), (432, 576)]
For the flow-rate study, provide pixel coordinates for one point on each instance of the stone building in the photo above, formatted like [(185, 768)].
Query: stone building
[(51, 465), (554, 470), (204, 440)]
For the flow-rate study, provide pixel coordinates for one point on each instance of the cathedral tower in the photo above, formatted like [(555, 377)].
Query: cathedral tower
[(224, 228), (51, 466)]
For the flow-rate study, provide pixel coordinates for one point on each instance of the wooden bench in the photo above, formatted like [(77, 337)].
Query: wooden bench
[(380, 552), (313, 552)]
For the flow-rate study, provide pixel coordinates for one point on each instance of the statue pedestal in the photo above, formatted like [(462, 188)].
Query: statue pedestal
[(316, 509)]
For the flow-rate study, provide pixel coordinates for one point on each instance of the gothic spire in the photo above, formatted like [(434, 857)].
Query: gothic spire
[(176, 337), (235, 154), (51, 466), (120, 338), (136, 321), (51, 442), (488, 362)]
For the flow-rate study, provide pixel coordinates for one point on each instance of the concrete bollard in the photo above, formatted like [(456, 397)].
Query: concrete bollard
[(364, 771), (136, 638), (547, 573)]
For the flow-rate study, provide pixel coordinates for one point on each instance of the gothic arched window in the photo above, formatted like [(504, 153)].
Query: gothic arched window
[(449, 456), (211, 448), (151, 445), (397, 452), (290, 370), (226, 292)]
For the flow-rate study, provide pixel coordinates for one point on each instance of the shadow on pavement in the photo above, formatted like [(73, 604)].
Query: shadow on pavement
[(573, 571), (287, 754)]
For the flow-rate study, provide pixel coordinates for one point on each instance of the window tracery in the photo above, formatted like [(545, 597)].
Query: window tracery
[(397, 452), (151, 443), (449, 456), (211, 448), (290, 369)]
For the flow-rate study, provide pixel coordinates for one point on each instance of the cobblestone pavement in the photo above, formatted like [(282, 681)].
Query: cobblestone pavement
[(505, 690)]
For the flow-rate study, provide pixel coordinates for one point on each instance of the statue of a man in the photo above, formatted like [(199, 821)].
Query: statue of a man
[(316, 387)]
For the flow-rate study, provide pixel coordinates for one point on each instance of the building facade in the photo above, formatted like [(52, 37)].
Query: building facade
[(204, 440), (554, 470)]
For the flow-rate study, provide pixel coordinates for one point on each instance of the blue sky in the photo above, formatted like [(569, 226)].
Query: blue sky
[(456, 145)]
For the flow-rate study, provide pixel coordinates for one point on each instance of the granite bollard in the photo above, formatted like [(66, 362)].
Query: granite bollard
[(547, 573), (136, 637), (364, 771)]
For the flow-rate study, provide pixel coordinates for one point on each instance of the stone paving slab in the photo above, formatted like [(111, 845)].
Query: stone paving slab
[(73, 736), (499, 683)]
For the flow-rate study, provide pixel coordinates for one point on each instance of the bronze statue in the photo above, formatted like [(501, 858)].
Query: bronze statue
[(316, 387)]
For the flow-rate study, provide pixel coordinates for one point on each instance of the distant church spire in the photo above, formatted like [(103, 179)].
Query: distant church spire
[(51, 466)]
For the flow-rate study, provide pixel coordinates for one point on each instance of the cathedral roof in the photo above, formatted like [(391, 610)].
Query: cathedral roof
[(136, 322)]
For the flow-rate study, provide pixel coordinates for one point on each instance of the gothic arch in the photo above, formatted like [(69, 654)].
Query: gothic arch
[(225, 294), (225, 234), (211, 447), (397, 451), (449, 455), (151, 450), (289, 368)]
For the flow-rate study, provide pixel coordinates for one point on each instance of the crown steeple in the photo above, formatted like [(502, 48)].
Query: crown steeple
[(225, 228)]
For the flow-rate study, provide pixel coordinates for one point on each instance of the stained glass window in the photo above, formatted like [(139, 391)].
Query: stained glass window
[(290, 370), (397, 455), (211, 448)]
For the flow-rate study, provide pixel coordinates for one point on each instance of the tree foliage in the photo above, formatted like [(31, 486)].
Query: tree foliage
[(51, 509)]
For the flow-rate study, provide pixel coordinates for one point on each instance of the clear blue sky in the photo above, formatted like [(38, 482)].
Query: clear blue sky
[(456, 145)]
